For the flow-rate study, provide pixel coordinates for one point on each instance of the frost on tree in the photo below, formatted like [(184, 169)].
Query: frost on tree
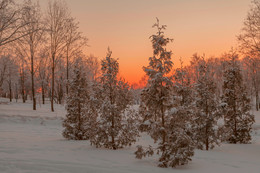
[(156, 108), (207, 112), (181, 113), (238, 119), (116, 121), (81, 114)]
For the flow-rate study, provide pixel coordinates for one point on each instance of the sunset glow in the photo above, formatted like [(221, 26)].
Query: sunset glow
[(202, 26)]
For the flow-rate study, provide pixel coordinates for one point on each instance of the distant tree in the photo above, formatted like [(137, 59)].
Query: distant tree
[(23, 73), (249, 40), (93, 67), (60, 81), (11, 28), (117, 121), (3, 69), (217, 67), (28, 45), (81, 115), (157, 108), (206, 112), (251, 74), (11, 75), (44, 71), (56, 23), (238, 119), (136, 92), (252, 66), (74, 42)]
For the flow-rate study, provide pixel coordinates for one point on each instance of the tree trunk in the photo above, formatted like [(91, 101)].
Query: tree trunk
[(162, 114), (206, 135), (67, 82), (235, 120), (10, 91), (112, 119), (60, 94), (23, 95), (32, 75), (164, 135), (235, 130), (207, 138), (257, 100), (52, 83), (16, 93), (112, 135), (2, 75), (79, 121), (43, 92), (22, 85)]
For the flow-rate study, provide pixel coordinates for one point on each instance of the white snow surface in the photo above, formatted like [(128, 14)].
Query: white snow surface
[(31, 142)]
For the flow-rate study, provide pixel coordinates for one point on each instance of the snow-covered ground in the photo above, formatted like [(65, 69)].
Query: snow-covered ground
[(31, 142)]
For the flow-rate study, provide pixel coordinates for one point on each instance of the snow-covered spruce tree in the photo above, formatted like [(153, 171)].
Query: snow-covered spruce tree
[(181, 116), (207, 111), (238, 119), (156, 102), (81, 114), (116, 126)]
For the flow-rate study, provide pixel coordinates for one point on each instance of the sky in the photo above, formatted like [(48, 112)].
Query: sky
[(205, 27)]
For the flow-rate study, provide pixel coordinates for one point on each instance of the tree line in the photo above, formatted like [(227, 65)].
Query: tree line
[(38, 49)]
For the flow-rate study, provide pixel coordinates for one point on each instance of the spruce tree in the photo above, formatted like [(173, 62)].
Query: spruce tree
[(116, 126), (238, 119), (181, 116), (207, 112), (81, 114), (157, 102)]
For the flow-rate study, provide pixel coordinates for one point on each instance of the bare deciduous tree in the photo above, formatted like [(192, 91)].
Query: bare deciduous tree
[(10, 22), (11, 73), (29, 44), (252, 66), (3, 69), (74, 42), (93, 69), (56, 22), (250, 44), (44, 71)]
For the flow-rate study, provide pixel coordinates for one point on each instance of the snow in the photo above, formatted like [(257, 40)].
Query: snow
[(31, 141)]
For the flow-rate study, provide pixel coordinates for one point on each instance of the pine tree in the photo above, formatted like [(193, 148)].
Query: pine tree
[(81, 114), (238, 119), (207, 112), (117, 121), (156, 106)]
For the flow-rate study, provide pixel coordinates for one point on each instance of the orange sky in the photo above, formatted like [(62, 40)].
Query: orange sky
[(202, 26)]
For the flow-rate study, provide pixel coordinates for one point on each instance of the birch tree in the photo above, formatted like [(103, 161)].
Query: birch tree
[(56, 21)]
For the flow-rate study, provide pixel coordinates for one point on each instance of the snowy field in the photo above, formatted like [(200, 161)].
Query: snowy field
[(31, 142)]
